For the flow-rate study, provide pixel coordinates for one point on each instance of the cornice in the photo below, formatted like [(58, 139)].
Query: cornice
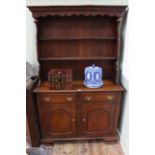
[(88, 10)]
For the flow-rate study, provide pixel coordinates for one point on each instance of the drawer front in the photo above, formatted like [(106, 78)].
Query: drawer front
[(98, 97), (57, 98)]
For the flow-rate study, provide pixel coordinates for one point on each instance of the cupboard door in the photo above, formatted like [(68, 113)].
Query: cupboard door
[(57, 121), (97, 119)]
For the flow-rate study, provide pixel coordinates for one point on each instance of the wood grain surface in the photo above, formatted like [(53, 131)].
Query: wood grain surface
[(78, 87), (85, 148)]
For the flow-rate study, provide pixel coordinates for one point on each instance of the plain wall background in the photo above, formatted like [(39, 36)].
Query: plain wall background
[(77, 2), (32, 58), (124, 117)]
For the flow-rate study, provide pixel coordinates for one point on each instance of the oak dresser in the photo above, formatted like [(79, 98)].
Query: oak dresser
[(76, 37)]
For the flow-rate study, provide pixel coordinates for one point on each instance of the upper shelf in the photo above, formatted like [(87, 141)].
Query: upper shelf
[(77, 58), (77, 38)]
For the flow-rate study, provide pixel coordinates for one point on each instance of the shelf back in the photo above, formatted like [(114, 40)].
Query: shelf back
[(77, 36), (77, 42), (78, 67), (77, 26)]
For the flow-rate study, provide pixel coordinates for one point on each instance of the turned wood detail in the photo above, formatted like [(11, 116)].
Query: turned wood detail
[(117, 76)]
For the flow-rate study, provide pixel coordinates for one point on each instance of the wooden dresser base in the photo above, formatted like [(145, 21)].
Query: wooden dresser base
[(113, 139)]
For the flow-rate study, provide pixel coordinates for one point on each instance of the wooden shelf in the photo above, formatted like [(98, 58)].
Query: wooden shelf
[(77, 38), (78, 58), (78, 86)]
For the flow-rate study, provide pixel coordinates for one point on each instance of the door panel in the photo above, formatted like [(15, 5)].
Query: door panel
[(94, 117), (97, 119), (58, 121)]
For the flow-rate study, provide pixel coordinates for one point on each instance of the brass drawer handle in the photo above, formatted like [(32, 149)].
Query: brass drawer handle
[(69, 99), (88, 98), (110, 97), (73, 119), (47, 99), (83, 119)]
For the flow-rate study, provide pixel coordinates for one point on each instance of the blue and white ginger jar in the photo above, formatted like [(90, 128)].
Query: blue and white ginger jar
[(93, 77)]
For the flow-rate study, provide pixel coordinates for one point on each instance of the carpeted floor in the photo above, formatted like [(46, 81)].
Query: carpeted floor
[(85, 148)]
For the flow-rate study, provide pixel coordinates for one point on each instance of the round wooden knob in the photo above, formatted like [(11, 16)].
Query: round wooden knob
[(83, 119), (73, 119)]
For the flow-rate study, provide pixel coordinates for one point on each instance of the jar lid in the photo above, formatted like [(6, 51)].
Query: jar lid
[(93, 67)]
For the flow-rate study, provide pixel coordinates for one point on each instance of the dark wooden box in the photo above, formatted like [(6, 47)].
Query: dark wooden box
[(60, 79)]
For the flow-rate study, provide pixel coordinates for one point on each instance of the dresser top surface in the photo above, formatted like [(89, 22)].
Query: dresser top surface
[(77, 86)]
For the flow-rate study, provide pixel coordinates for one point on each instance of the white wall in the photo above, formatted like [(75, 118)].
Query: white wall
[(32, 58), (124, 123), (31, 54), (77, 2), (124, 129)]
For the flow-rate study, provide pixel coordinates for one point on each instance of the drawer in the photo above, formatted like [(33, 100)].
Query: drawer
[(57, 97), (98, 97)]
